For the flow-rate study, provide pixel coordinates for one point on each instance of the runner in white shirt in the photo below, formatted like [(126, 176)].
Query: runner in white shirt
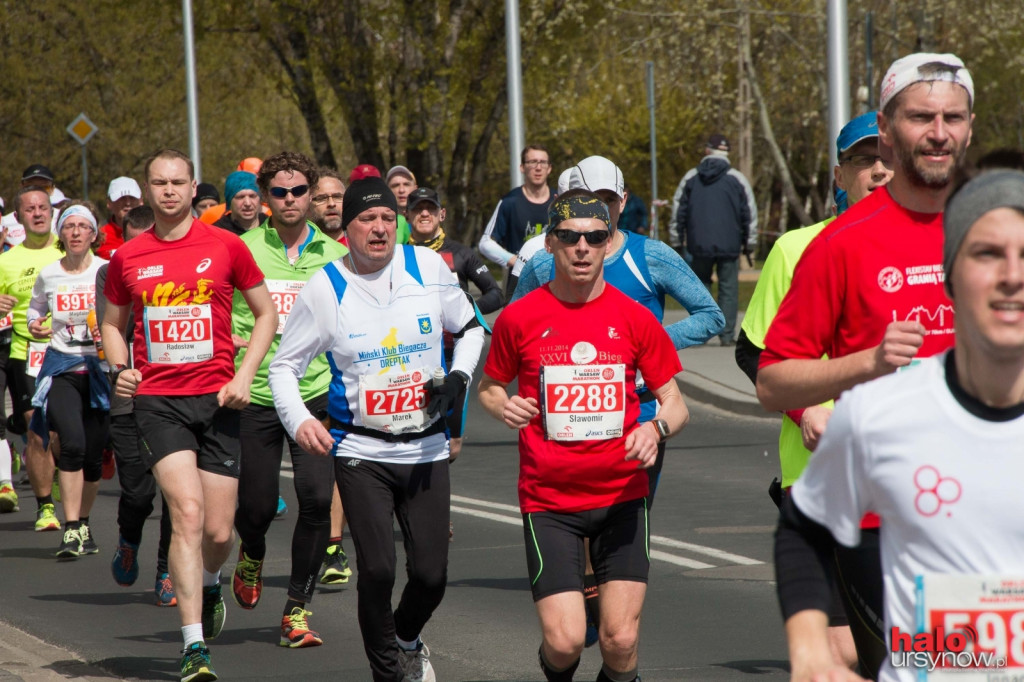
[(72, 380), (379, 314), (936, 453)]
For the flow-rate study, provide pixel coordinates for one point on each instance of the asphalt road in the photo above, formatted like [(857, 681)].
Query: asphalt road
[(710, 612)]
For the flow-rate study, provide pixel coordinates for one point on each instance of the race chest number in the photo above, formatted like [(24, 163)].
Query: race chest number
[(583, 402), (7, 321), (394, 403), (36, 353), (71, 304), (987, 609), (179, 334), (283, 293)]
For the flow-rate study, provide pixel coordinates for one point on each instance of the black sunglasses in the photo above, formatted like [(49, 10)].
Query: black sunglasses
[(281, 192), (594, 238)]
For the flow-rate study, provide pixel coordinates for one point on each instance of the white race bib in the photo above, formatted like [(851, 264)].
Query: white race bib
[(394, 403), (6, 322), (583, 402), (987, 611), (36, 352), (283, 293), (178, 335), (71, 303)]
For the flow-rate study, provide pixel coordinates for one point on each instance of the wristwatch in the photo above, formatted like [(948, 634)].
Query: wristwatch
[(663, 431), (114, 372)]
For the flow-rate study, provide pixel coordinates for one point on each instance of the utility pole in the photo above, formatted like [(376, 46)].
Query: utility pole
[(514, 71), (745, 136), (190, 88)]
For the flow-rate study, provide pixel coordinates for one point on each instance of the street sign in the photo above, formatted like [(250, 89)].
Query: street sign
[(82, 129)]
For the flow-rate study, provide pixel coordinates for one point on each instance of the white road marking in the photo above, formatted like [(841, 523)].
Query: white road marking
[(659, 540)]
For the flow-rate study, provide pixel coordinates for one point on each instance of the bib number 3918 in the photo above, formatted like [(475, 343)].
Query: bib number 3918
[(583, 402), (179, 334)]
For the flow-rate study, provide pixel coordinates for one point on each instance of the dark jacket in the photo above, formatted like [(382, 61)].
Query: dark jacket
[(714, 214)]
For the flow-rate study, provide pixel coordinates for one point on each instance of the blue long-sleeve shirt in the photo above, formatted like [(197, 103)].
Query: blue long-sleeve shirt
[(646, 270)]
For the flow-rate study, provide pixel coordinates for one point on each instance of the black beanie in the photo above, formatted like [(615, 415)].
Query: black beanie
[(364, 194)]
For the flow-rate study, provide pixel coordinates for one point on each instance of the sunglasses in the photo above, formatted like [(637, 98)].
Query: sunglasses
[(571, 237), (862, 161), (281, 192)]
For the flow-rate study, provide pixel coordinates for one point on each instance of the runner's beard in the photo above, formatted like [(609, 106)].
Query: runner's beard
[(926, 175)]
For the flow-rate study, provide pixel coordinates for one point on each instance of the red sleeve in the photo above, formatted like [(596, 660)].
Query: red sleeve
[(114, 289), (657, 358), (245, 271), (807, 319), (503, 358)]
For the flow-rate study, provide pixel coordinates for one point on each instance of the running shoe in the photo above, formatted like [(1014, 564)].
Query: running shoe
[(125, 565), (46, 518), (282, 508), (88, 544), (109, 467), (164, 590), (15, 461), (55, 488), (295, 632), (247, 584), (8, 498), (214, 612), (335, 570), (195, 664), (71, 545), (416, 664)]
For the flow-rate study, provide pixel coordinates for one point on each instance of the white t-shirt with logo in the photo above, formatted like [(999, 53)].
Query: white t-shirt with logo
[(948, 486), (67, 298)]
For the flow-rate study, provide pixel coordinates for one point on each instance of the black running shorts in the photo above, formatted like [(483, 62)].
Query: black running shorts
[(619, 547), (173, 423)]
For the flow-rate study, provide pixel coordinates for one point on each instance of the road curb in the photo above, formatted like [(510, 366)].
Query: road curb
[(26, 658), (703, 389)]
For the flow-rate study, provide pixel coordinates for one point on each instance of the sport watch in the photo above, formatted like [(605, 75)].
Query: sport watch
[(115, 371), (663, 430)]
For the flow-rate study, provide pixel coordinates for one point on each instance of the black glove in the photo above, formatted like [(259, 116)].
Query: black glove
[(442, 398)]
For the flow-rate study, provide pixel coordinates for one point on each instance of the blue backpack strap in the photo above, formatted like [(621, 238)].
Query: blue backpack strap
[(411, 266), (337, 281)]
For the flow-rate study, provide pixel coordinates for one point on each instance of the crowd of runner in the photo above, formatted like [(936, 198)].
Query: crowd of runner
[(187, 343)]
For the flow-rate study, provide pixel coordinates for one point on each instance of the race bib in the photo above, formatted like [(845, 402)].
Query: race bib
[(36, 353), (71, 303), (178, 335), (6, 322), (583, 402), (284, 292), (394, 403), (982, 616)]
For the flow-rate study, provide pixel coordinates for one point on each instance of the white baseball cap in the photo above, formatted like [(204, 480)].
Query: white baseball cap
[(597, 173), (56, 196), (123, 187), (563, 181), (923, 67)]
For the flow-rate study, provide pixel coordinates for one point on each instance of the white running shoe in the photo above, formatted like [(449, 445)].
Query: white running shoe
[(416, 664)]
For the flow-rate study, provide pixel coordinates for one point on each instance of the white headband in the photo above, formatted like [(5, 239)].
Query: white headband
[(79, 210)]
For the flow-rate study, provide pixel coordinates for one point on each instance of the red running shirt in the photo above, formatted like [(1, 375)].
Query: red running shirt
[(876, 263), (539, 330), (181, 292)]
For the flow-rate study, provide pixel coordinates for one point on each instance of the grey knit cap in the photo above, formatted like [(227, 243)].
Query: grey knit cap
[(985, 192)]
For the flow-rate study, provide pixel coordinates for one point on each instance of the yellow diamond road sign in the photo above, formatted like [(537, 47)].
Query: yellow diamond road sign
[(82, 129)]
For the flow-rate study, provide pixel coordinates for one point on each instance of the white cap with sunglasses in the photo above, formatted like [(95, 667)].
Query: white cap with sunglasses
[(596, 173)]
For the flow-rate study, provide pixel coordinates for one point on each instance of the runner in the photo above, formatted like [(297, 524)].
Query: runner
[(178, 280), (574, 346), (935, 452), (138, 487), (379, 314), (72, 377), (288, 249), (19, 268), (860, 170)]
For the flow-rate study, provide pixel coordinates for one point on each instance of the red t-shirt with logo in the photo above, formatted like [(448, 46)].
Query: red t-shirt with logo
[(541, 331), (181, 293), (876, 263)]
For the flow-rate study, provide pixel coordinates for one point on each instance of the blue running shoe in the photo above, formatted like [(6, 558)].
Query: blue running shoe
[(282, 508), (125, 565)]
